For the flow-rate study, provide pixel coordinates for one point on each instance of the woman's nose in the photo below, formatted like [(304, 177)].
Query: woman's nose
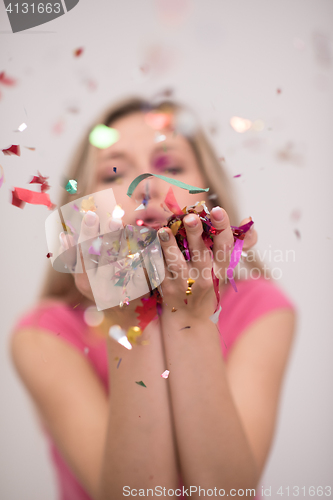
[(150, 189)]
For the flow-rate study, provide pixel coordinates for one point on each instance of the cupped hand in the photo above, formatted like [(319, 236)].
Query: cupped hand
[(202, 301)]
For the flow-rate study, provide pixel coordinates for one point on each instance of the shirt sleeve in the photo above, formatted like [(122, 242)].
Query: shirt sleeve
[(57, 319), (254, 299)]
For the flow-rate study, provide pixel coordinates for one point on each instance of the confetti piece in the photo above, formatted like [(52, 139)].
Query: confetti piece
[(141, 383), (118, 334), (215, 316), (76, 305), (93, 317), (137, 180), (95, 247), (119, 363), (2, 176), (173, 310), (76, 208), (171, 202), (165, 374), (115, 169), (239, 124), (297, 233), (78, 52), (71, 186), (185, 328), (118, 212), (48, 255), (238, 175), (278, 91), (6, 80), (148, 311), (39, 179), (21, 128), (103, 137), (140, 207), (12, 150), (88, 204), (21, 196), (30, 149), (139, 222), (133, 333), (158, 120)]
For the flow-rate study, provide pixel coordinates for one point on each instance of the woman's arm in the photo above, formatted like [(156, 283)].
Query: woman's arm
[(111, 442), (140, 447), (225, 412)]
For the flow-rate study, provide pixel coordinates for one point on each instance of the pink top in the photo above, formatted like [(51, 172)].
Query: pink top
[(253, 299)]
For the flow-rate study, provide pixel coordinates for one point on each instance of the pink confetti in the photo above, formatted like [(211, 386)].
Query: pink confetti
[(171, 202), (165, 374), (78, 52), (2, 176)]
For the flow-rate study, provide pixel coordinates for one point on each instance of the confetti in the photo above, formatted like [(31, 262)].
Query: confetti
[(158, 120), (93, 317), (148, 311), (238, 175), (12, 150), (171, 202), (78, 52), (39, 179), (118, 334), (21, 196), (95, 247), (118, 212), (165, 374), (215, 316), (297, 233), (88, 204), (239, 124), (133, 333), (119, 362), (185, 328), (76, 305), (2, 176), (103, 137), (173, 310), (71, 186), (6, 80), (141, 383), (137, 180), (114, 169), (30, 149), (21, 128), (48, 255)]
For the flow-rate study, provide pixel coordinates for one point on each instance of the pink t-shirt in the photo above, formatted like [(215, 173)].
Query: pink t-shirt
[(253, 299)]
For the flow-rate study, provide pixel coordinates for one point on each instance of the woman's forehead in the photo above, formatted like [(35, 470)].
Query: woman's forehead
[(136, 135)]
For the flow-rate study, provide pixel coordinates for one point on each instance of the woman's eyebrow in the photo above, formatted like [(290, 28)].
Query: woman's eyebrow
[(115, 155)]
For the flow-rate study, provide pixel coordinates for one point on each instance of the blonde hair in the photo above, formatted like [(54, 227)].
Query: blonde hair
[(61, 285)]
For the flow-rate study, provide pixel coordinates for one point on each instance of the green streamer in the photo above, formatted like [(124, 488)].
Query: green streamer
[(191, 189)]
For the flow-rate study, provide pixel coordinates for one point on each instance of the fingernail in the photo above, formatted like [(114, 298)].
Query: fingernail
[(115, 225), (63, 241), (90, 218), (163, 234), (191, 220), (218, 213)]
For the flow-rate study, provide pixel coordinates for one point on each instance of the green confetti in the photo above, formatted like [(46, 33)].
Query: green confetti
[(137, 180), (102, 136), (141, 383), (71, 186)]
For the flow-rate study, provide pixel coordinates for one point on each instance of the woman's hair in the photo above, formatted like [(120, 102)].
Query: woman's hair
[(61, 286)]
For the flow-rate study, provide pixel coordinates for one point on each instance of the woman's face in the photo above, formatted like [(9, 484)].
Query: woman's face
[(137, 152)]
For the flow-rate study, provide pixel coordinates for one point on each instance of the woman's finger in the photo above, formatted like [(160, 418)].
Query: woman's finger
[(200, 255), (174, 259), (251, 237), (223, 242)]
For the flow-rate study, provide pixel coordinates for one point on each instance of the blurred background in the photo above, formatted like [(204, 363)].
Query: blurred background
[(270, 63)]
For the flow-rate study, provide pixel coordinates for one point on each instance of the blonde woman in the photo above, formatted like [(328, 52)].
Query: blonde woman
[(210, 425)]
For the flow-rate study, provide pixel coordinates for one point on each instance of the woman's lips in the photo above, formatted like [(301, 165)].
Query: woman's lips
[(153, 224)]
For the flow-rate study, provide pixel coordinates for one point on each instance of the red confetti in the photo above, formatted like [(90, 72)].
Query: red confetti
[(139, 222), (12, 150), (171, 203), (6, 80), (78, 52), (49, 255), (278, 91), (40, 180), (149, 309), (21, 196)]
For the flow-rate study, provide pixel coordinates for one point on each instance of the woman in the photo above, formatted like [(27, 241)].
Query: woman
[(211, 424)]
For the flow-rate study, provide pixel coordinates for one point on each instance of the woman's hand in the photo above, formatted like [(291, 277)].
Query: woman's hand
[(96, 281), (202, 302)]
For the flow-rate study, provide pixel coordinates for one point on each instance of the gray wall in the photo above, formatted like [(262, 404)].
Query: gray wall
[(223, 58)]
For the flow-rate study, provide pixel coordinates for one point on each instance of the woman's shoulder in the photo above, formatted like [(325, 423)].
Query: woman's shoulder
[(254, 298), (54, 316)]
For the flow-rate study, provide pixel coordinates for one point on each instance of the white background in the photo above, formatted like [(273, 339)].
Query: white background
[(224, 58)]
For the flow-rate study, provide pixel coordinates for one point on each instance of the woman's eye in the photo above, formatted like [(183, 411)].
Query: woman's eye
[(114, 178), (174, 170)]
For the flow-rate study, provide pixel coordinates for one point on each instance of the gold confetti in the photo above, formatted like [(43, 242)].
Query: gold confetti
[(133, 333), (88, 204)]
